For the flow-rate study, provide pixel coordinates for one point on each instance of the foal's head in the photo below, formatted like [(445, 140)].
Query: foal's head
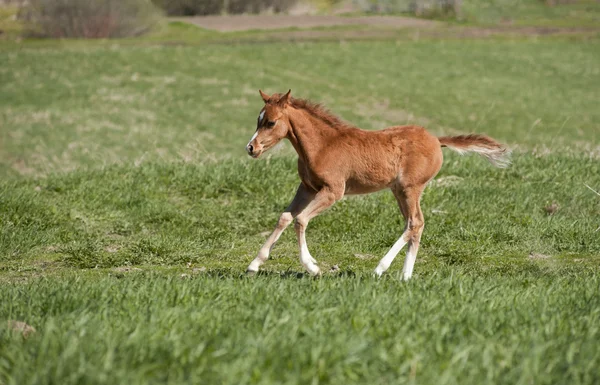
[(272, 125)]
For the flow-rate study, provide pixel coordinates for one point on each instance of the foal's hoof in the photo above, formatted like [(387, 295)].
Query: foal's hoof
[(251, 273), (314, 270)]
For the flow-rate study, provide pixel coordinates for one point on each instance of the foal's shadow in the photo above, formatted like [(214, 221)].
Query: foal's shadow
[(290, 274), (287, 274)]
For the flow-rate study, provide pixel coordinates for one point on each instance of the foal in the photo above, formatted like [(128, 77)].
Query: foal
[(335, 159)]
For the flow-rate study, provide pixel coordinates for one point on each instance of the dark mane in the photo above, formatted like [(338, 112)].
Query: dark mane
[(318, 111)]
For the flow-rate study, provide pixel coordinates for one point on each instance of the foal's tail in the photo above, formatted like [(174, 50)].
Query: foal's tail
[(496, 153)]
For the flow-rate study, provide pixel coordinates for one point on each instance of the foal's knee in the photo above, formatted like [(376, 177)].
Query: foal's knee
[(415, 225), (300, 223), (284, 220)]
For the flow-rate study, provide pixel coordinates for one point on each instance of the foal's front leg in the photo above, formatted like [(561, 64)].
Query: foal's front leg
[(324, 199), (301, 200)]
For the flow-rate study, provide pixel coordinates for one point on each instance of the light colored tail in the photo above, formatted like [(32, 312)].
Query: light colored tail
[(496, 153)]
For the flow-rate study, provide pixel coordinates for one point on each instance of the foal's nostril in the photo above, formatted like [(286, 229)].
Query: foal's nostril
[(250, 149)]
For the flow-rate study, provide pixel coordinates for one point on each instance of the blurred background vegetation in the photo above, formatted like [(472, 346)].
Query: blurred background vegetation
[(124, 18), (88, 19)]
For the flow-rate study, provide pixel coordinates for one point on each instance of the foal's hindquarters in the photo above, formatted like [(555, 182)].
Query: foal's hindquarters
[(421, 159), (403, 159)]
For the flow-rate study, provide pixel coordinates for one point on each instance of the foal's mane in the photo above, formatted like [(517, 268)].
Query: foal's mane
[(320, 112)]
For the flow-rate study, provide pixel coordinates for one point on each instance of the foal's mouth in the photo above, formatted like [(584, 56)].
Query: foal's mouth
[(250, 150), (255, 154)]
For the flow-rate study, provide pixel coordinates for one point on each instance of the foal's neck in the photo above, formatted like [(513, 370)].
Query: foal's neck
[(308, 134)]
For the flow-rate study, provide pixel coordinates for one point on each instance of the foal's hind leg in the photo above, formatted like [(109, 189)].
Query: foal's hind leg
[(389, 257), (303, 197), (415, 226), (408, 200)]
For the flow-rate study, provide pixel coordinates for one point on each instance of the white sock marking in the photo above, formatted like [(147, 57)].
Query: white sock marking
[(409, 263), (265, 250), (387, 260), (254, 265), (308, 261)]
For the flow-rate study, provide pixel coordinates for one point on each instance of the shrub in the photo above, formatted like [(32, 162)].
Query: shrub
[(383, 6), (256, 6), (89, 18), (191, 7), (423, 8), (216, 7)]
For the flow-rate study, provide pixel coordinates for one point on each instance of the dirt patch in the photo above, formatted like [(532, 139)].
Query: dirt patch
[(538, 256), (21, 327), (364, 256), (552, 208), (265, 22), (447, 181), (22, 168), (376, 27)]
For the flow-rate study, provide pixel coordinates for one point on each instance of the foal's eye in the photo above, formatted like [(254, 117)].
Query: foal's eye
[(270, 124)]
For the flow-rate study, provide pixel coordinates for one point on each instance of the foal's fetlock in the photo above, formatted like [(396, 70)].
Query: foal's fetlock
[(313, 269), (254, 266), (381, 268), (251, 270)]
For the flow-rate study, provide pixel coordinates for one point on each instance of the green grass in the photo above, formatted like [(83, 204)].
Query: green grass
[(580, 13), (122, 167), (457, 326), (213, 215), (134, 104)]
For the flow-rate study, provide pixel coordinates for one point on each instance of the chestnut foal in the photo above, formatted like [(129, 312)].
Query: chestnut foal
[(335, 159)]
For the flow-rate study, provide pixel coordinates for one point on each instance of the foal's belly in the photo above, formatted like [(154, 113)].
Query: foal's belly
[(372, 176), (354, 187)]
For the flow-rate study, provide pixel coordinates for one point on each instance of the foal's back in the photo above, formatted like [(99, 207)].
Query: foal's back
[(374, 160)]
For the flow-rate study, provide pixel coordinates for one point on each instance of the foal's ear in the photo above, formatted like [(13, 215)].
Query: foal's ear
[(264, 96), (285, 99)]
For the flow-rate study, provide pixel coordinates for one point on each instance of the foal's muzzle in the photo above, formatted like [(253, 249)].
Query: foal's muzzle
[(253, 151)]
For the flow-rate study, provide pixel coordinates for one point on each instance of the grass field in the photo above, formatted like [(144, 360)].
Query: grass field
[(129, 211), (532, 12)]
